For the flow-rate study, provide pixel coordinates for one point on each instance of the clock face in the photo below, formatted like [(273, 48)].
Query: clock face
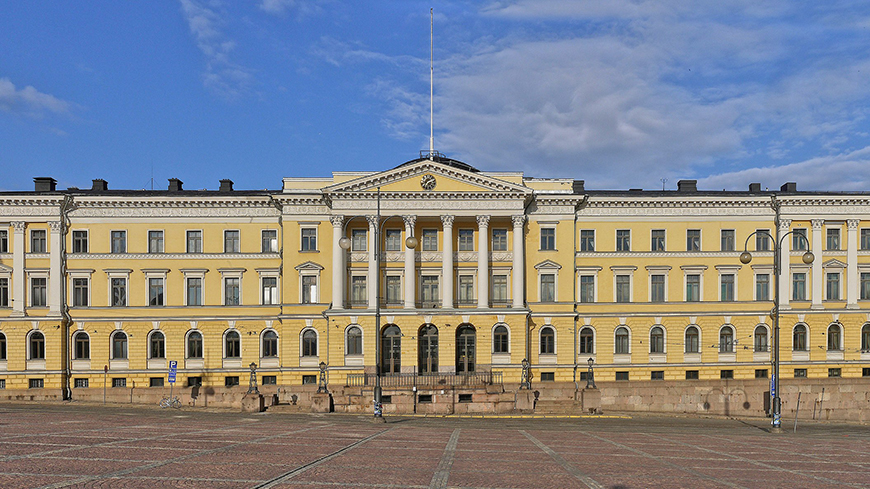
[(427, 182)]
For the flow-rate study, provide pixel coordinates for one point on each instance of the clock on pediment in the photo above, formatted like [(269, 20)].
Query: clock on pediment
[(428, 182)]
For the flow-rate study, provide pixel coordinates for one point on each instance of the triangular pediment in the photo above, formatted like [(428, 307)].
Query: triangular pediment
[(309, 265), (548, 264), (5, 269), (834, 263)]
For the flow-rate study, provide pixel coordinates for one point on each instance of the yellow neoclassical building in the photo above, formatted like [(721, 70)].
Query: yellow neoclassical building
[(103, 288)]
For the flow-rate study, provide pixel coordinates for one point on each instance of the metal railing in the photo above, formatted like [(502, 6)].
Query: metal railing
[(434, 380)]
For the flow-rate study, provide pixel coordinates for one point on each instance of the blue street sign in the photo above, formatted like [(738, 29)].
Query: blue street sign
[(173, 368)]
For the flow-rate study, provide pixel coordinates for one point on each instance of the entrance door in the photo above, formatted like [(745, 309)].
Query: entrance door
[(428, 349), (391, 350), (465, 348)]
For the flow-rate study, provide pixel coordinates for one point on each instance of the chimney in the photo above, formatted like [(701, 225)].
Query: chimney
[(755, 187), (789, 187), (579, 186), (99, 185), (687, 186), (226, 185), (175, 185), (44, 184)]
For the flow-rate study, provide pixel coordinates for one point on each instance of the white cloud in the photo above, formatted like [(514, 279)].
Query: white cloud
[(29, 101), (301, 7)]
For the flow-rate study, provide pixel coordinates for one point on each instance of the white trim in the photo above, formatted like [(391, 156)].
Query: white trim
[(628, 353), (664, 339), (317, 342), (594, 341), (657, 270)]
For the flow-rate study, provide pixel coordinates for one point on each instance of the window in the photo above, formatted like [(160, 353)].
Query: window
[(623, 288), (693, 340), (80, 383), (865, 239), (761, 373), (270, 380), (693, 240), (119, 292), (692, 375), (760, 338), (35, 383), (621, 375), (834, 336), (621, 345), (500, 340), (270, 344), (548, 341), (38, 287), (548, 287), (430, 240), (157, 345), (762, 287), (657, 375), (232, 345), (119, 345), (309, 343), (799, 239), (587, 341), (119, 241), (865, 338), (799, 338), (155, 382), (358, 289), (657, 340), (393, 240), (832, 285), (800, 373), (394, 289), (231, 381), (194, 241), (726, 340), (587, 288), (799, 286), (548, 239), (38, 241), (587, 240), (424, 398), (657, 240), (657, 288), (155, 241), (545, 377), (119, 382), (80, 292), (358, 240), (762, 240), (429, 290), (269, 240), (727, 289), (865, 372), (466, 289), (231, 242), (4, 241), (194, 291), (2, 346), (155, 291), (354, 341), (194, 344), (81, 346), (832, 241), (231, 291), (623, 240), (864, 290), (499, 240), (270, 289), (835, 372), (79, 241), (466, 239), (726, 240), (500, 289), (726, 374), (309, 287), (4, 292), (693, 287)]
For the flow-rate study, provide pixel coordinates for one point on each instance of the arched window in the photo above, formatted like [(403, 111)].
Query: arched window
[(587, 340), (354, 341), (391, 350), (81, 346), (693, 340), (865, 338), (834, 335), (726, 339), (194, 344), (760, 338), (37, 346), (657, 340), (2, 346), (119, 345), (799, 338), (427, 349), (621, 345), (157, 345), (309, 343), (270, 344), (466, 348), (232, 345), (548, 341), (500, 339)]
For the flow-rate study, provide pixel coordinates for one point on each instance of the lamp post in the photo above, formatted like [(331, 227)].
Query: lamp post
[(745, 258), (345, 244), (590, 375), (321, 385)]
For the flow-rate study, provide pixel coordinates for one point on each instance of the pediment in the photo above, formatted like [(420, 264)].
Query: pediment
[(834, 263), (309, 265), (548, 264), (5, 269)]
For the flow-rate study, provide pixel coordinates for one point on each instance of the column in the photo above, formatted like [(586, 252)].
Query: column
[(55, 278), (19, 277), (518, 262), (784, 264), (374, 251), (447, 262), (818, 280), (482, 262), (339, 270), (852, 280), (410, 264)]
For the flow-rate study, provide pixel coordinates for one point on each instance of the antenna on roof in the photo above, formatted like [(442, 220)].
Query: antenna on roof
[(431, 82)]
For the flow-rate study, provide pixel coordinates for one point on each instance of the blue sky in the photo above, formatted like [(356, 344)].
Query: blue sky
[(620, 93)]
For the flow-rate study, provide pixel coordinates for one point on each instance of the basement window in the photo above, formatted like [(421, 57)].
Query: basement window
[(424, 398), (548, 376), (464, 397)]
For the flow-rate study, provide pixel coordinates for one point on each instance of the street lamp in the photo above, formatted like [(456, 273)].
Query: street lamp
[(590, 375), (321, 385), (745, 258)]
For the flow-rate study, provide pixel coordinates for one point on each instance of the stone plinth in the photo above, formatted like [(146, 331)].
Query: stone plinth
[(591, 400), (320, 403), (253, 403)]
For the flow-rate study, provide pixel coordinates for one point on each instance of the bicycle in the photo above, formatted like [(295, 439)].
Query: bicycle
[(173, 402)]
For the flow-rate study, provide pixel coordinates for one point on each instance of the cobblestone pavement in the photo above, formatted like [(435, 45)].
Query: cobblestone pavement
[(74, 446)]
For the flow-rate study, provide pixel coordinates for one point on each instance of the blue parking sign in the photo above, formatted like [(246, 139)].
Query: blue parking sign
[(173, 367)]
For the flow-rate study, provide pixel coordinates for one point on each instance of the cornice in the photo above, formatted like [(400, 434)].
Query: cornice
[(173, 256)]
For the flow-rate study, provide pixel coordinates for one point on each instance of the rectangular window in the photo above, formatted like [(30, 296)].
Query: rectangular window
[(800, 373), (693, 240), (155, 382), (119, 382), (864, 290), (623, 288), (657, 375), (194, 241), (194, 291), (835, 372), (621, 375), (194, 381), (500, 289), (832, 285), (270, 380), (499, 240), (726, 374), (38, 241), (309, 288), (865, 372), (231, 242), (4, 241), (693, 288), (38, 287), (548, 287), (466, 240), (155, 241), (80, 383), (466, 289), (394, 290), (430, 240), (657, 240), (623, 240), (726, 240), (761, 373), (36, 383), (119, 292), (393, 240), (865, 239), (358, 290), (231, 291), (548, 376), (832, 241), (762, 287), (762, 240), (4, 292), (269, 240), (119, 241), (657, 288), (270, 290), (799, 240), (727, 287), (424, 398), (80, 292), (799, 286), (587, 240), (548, 239), (429, 290), (155, 291), (79, 241), (231, 381), (692, 375), (587, 288), (359, 240)]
